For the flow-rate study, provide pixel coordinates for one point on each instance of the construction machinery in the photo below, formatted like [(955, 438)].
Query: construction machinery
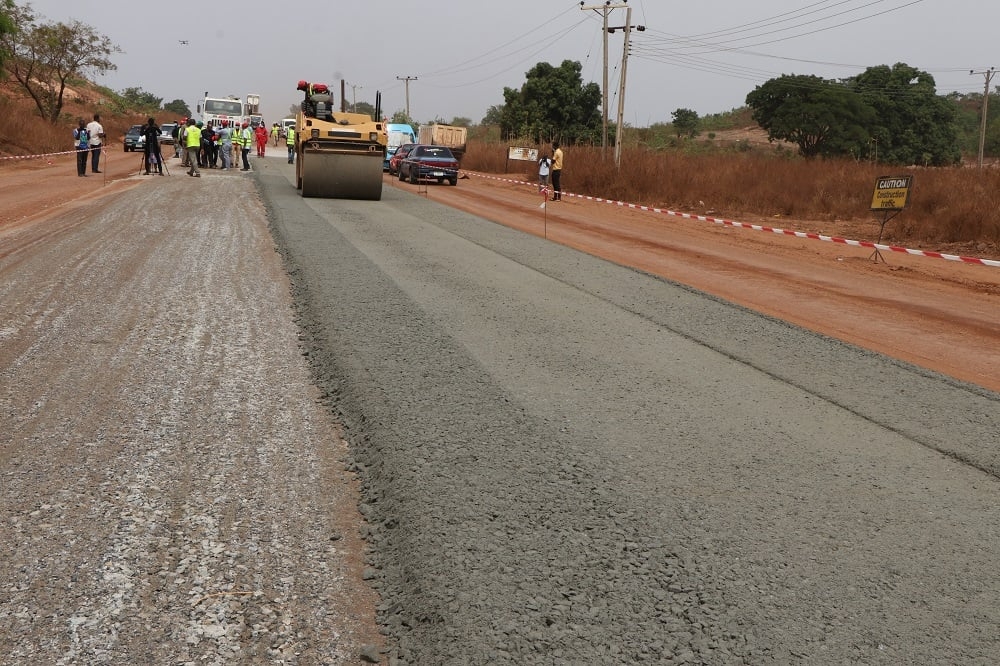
[(338, 155)]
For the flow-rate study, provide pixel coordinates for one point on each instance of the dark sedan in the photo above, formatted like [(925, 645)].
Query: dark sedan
[(429, 163)]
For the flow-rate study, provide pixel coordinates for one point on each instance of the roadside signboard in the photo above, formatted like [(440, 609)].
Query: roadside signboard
[(891, 193)]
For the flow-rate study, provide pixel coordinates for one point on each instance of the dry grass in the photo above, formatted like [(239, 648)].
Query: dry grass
[(23, 132), (949, 206)]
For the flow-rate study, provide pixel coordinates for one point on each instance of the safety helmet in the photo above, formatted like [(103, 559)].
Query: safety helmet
[(200, 124), (246, 124)]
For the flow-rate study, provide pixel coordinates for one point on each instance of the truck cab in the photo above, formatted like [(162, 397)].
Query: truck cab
[(398, 134)]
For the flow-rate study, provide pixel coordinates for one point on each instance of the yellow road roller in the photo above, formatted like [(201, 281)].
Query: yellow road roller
[(338, 155)]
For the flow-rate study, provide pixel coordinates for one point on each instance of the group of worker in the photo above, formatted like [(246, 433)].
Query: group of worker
[(204, 147), (201, 147)]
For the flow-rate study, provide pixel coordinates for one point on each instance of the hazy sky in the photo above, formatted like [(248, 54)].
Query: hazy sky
[(704, 55)]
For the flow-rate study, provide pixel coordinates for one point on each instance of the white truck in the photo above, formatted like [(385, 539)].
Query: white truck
[(437, 134)]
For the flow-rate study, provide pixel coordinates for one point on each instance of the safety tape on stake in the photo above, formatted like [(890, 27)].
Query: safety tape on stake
[(759, 227)]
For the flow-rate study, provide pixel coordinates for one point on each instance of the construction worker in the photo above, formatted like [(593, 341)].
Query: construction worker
[(290, 140), (182, 141), (246, 140), (226, 145), (275, 130), (193, 143)]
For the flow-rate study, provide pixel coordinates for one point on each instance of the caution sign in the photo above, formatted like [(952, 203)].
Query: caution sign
[(526, 154), (892, 192)]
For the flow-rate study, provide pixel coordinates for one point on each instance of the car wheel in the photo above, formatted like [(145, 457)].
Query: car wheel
[(413, 176), (453, 180)]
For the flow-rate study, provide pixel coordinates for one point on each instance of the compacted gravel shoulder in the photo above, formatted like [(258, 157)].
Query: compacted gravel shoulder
[(171, 490)]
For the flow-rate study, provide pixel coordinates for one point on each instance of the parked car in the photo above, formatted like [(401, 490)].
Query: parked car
[(167, 133), (134, 140), (425, 162), (398, 156)]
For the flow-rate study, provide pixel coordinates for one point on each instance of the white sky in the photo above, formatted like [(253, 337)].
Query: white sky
[(704, 55)]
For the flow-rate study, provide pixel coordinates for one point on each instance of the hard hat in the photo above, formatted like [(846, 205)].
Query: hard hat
[(200, 124), (246, 124)]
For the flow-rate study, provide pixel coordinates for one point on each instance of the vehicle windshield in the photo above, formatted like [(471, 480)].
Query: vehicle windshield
[(223, 107), (434, 151)]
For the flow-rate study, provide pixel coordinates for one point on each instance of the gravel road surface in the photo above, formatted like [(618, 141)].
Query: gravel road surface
[(171, 490), (567, 462), (561, 460)]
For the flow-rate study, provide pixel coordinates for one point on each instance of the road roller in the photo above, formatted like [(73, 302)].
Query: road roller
[(338, 155)]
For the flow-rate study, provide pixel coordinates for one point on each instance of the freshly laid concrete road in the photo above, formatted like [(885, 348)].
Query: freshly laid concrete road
[(562, 461), (570, 462)]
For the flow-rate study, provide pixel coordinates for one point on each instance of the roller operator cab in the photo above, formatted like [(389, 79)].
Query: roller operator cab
[(339, 155)]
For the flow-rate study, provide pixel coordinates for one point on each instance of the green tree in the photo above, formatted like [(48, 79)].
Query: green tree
[(178, 107), (914, 124), (459, 121), (44, 57), (821, 117), (494, 115), (685, 122), (401, 118), (7, 27), (553, 103), (366, 108), (137, 97)]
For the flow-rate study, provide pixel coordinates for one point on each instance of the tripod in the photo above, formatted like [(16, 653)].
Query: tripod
[(158, 155)]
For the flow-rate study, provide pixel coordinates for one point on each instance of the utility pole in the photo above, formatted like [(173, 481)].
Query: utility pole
[(621, 90), (354, 97), (605, 9), (988, 75), (407, 79)]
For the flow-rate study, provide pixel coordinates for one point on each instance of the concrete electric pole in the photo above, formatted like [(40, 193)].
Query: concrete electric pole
[(988, 75), (407, 79), (605, 9)]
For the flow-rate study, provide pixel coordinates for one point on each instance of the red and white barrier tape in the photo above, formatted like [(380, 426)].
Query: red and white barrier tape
[(775, 230), (34, 157)]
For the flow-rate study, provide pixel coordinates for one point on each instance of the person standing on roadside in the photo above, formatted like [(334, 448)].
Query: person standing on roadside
[(193, 143), (81, 143), (543, 172), (226, 145), (182, 141), (151, 151), (557, 167), (290, 140), (246, 140), (260, 133), (96, 130), (275, 131)]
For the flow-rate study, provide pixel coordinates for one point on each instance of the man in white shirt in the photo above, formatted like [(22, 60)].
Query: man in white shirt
[(96, 140)]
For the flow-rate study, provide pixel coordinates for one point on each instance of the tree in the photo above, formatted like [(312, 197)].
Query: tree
[(140, 98), (685, 122), (914, 124), (821, 117), (7, 27), (178, 107), (460, 121), (366, 108), (494, 115), (44, 57), (553, 103), (401, 118)]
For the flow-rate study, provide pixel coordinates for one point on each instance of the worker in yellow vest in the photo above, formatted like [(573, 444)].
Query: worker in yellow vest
[(290, 140), (246, 140), (193, 144)]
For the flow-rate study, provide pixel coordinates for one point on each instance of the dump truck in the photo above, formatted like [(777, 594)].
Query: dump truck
[(338, 155), (451, 136)]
